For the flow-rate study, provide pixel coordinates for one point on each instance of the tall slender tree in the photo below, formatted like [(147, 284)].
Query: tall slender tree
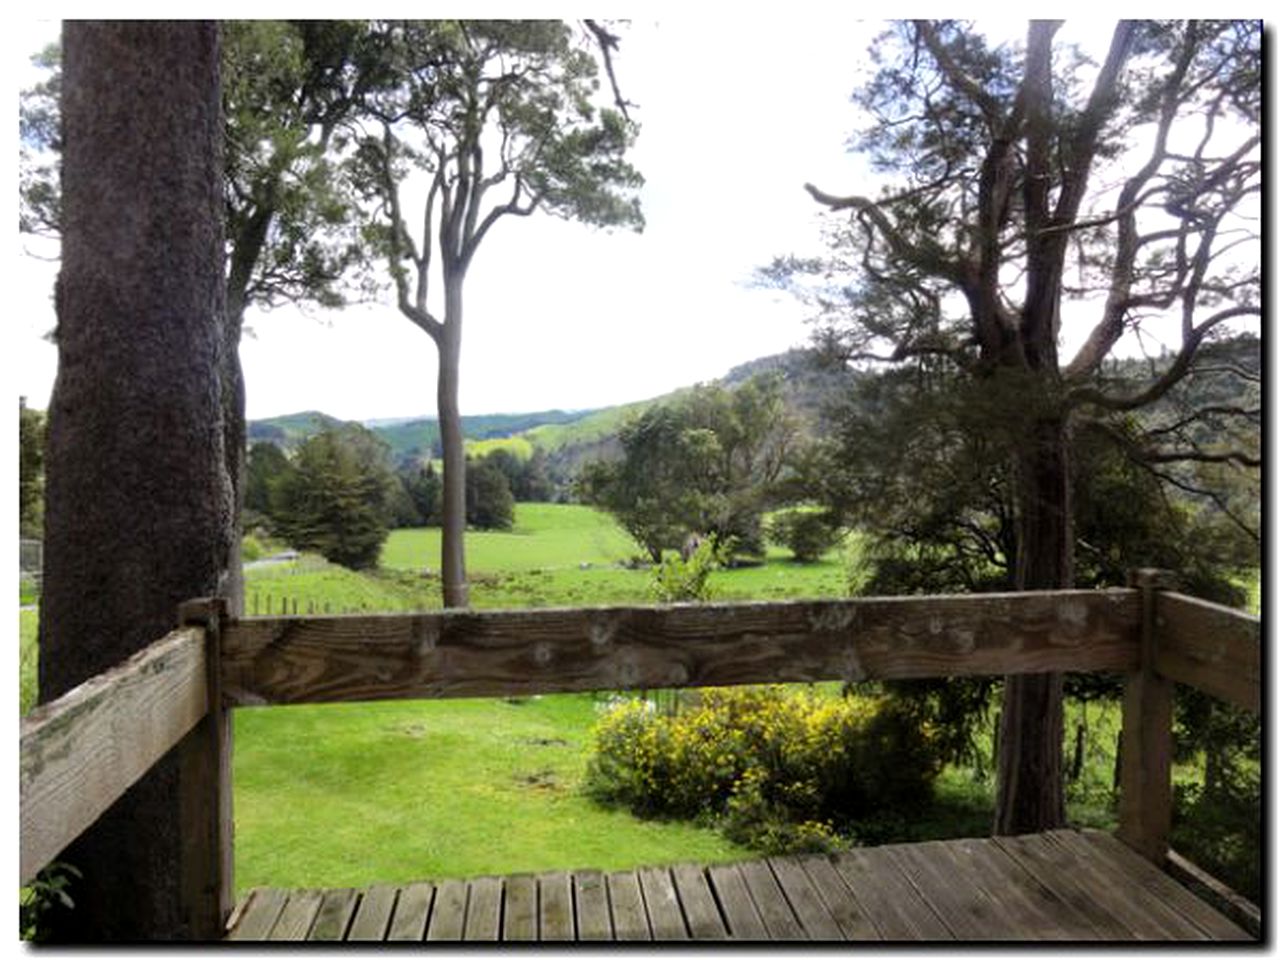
[(497, 120), (140, 509), (1028, 184)]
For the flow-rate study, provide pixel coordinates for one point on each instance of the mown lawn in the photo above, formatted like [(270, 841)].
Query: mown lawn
[(351, 794)]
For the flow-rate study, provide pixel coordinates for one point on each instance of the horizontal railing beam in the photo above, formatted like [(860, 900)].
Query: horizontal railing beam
[(79, 753), (462, 653), (1213, 648)]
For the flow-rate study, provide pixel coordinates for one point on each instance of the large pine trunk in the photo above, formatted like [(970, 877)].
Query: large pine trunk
[(1030, 788), (140, 512)]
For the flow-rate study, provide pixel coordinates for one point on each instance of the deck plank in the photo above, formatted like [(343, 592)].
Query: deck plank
[(699, 903), (1033, 909), (449, 912), (889, 899), (592, 901), (555, 907), (520, 908), (739, 911), (484, 909), (1148, 878), (373, 914), (779, 922), (630, 922), (297, 916), (1142, 912), (957, 894), (1060, 874), (839, 899), (1067, 884), (259, 915), (809, 908), (336, 911), (665, 918), (413, 907)]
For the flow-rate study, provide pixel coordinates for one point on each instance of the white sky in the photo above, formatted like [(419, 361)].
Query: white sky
[(736, 115)]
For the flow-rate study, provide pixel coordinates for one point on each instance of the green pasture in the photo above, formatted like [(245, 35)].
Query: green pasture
[(351, 794)]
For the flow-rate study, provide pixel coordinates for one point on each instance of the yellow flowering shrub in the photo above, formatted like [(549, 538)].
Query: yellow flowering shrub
[(781, 769)]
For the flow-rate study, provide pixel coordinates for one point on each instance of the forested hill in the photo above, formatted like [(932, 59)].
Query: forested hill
[(407, 437), (570, 438)]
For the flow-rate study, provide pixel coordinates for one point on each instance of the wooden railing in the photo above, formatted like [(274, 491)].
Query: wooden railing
[(81, 752)]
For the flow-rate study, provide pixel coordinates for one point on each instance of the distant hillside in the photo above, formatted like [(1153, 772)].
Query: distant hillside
[(291, 429), (569, 438), (407, 438)]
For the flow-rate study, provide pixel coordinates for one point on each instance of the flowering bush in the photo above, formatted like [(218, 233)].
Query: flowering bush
[(779, 769)]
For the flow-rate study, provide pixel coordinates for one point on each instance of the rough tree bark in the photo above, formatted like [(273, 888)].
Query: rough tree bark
[(140, 506)]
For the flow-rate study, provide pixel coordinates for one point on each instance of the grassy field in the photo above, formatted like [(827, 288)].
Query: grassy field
[(351, 794), (346, 795)]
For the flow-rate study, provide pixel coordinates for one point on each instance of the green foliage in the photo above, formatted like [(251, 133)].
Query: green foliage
[(1218, 814), (773, 765), (708, 462), (31, 429), (287, 86), (807, 533), (334, 500), (490, 505), (42, 897), (423, 486), (266, 468), (28, 660), (684, 579)]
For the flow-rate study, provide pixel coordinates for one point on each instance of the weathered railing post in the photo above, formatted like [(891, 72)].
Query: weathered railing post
[(1146, 790), (205, 804)]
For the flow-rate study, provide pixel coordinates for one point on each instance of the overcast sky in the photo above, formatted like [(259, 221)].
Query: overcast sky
[(736, 115)]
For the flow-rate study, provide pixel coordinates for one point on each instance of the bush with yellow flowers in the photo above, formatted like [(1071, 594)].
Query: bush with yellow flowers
[(780, 769)]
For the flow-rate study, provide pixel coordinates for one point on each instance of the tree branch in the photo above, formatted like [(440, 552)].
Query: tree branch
[(608, 45)]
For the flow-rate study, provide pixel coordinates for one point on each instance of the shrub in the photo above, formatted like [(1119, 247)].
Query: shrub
[(677, 580), (779, 769), (808, 534)]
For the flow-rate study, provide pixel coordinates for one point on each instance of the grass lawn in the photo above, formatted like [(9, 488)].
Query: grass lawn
[(352, 794), (545, 536)]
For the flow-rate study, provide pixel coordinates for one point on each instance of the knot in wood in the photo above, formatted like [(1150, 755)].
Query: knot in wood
[(601, 630), (542, 653), (424, 637), (1073, 615), (830, 618)]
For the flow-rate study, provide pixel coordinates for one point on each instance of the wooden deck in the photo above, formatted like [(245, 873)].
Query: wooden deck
[(1064, 885)]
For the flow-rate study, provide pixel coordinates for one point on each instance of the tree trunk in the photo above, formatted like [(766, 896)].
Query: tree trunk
[(1030, 789), (140, 508), (453, 499)]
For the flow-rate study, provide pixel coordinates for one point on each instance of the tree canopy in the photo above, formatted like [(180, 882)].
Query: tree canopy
[(1024, 187), (708, 463)]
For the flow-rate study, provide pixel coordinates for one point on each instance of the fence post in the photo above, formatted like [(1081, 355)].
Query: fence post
[(1146, 789), (208, 893)]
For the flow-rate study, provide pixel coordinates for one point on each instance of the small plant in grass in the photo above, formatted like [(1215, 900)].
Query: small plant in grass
[(679, 579)]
